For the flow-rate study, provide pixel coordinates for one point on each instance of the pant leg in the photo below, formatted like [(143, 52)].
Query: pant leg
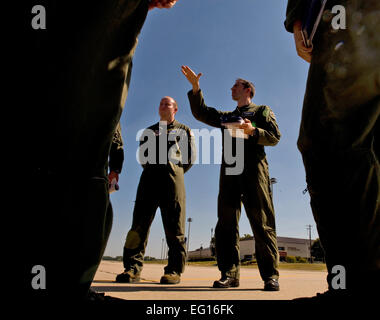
[(173, 213), (143, 214), (227, 227), (95, 229), (257, 200), (69, 235), (346, 212), (68, 136)]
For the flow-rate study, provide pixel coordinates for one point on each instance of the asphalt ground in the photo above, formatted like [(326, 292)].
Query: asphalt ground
[(196, 284)]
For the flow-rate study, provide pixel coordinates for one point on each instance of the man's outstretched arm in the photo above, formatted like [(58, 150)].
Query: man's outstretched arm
[(200, 111), (192, 78)]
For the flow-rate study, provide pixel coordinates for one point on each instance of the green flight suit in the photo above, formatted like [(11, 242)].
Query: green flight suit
[(161, 185), (78, 72), (339, 139), (252, 187), (116, 157)]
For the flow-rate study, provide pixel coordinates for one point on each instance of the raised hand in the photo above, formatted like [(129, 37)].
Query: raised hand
[(192, 77)]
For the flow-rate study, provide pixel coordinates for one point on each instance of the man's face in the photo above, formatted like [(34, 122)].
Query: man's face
[(238, 91), (167, 108)]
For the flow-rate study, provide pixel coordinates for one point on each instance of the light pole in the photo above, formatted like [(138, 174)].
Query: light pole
[(309, 228), (166, 249), (212, 244), (162, 249), (189, 220)]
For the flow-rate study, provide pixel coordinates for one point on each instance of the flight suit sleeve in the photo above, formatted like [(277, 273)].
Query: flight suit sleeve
[(294, 12), (192, 152), (202, 112), (268, 133), (116, 157)]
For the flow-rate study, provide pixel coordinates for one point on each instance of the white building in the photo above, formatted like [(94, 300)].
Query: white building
[(200, 253), (293, 247), (286, 246)]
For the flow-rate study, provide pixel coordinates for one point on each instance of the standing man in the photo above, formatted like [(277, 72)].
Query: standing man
[(251, 186), (339, 139), (167, 151), (81, 66)]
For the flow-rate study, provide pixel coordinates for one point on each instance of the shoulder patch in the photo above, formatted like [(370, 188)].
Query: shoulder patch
[(266, 112)]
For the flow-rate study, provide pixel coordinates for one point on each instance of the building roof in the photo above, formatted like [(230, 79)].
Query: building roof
[(279, 239), (293, 240), (286, 239)]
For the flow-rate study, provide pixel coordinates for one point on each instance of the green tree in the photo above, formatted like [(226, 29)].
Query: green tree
[(147, 258), (246, 236), (317, 250), (290, 259)]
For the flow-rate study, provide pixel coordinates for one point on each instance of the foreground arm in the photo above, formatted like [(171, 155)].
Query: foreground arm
[(294, 13)]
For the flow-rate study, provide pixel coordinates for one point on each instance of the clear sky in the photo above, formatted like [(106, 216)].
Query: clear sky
[(224, 40)]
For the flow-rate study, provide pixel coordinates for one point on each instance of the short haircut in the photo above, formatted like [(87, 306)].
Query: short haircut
[(174, 101), (248, 84)]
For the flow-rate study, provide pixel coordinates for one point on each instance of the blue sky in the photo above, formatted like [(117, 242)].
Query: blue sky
[(224, 40)]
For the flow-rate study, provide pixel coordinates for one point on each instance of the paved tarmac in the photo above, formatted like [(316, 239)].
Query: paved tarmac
[(196, 284)]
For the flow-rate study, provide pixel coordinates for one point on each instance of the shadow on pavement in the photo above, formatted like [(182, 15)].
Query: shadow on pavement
[(136, 283), (133, 288)]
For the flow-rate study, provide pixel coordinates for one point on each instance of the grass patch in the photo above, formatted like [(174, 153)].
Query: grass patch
[(295, 266), (303, 266), (282, 266), (202, 263)]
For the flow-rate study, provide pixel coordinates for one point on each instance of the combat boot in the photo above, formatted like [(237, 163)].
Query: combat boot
[(271, 285), (170, 278), (226, 282), (127, 277)]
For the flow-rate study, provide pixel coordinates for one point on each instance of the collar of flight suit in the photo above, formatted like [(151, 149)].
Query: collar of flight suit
[(170, 125), (248, 107), (173, 124)]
